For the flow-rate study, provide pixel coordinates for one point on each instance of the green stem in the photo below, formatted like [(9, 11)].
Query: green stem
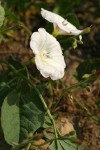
[(48, 112), (28, 147), (21, 24), (9, 28)]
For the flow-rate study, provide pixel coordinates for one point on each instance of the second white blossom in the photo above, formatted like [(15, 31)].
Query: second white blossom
[(61, 25)]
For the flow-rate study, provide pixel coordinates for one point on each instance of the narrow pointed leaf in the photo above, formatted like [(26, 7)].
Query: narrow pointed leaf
[(67, 144), (2, 15)]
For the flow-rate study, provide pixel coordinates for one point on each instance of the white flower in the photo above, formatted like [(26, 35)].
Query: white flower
[(61, 25), (48, 54)]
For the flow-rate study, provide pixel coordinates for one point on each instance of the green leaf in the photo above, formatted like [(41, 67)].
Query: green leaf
[(63, 145), (10, 118), (31, 114), (47, 122), (2, 15), (55, 145), (72, 18), (21, 115), (67, 144)]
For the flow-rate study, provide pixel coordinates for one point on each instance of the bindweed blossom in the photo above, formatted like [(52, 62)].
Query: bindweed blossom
[(61, 25), (48, 54)]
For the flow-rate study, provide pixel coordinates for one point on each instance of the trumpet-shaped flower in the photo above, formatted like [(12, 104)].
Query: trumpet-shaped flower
[(48, 54), (61, 25)]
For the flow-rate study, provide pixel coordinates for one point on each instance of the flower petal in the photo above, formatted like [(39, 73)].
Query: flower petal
[(35, 42), (51, 17), (48, 54), (53, 67), (68, 29), (60, 24)]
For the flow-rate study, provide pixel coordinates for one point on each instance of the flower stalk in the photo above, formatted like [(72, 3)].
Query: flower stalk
[(48, 112)]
